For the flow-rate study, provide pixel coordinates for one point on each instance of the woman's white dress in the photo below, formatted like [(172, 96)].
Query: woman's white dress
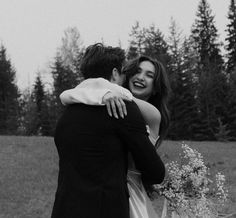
[(140, 204)]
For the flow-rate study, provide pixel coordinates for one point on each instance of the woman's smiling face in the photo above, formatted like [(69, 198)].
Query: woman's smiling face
[(141, 84)]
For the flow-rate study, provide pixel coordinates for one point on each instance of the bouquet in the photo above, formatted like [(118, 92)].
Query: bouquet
[(188, 189)]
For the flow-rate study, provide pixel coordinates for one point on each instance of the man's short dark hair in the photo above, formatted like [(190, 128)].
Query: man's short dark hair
[(100, 60)]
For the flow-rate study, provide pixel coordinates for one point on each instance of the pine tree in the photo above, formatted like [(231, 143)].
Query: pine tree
[(231, 39), (175, 43), (175, 104), (155, 45), (136, 43), (205, 36), (63, 78), (231, 68), (65, 71), (182, 101), (231, 121), (8, 96), (38, 93), (42, 113), (175, 52), (29, 119), (212, 86), (71, 51), (148, 41), (32, 108)]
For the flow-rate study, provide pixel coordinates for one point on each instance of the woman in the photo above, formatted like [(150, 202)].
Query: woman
[(147, 81)]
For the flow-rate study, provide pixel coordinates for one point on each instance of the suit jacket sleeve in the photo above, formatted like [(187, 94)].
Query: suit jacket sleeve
[(132, 131)]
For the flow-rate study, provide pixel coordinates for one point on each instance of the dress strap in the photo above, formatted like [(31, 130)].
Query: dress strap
[(153, 140)]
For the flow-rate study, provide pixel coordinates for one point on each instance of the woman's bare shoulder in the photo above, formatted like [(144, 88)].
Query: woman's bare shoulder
[(150, 110)]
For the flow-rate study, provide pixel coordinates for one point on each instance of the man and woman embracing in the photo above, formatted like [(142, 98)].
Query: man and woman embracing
[(104, 161)]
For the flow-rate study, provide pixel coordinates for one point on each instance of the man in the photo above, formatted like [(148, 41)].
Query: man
[(93, 149)]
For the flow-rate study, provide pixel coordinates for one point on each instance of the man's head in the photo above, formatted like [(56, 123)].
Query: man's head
[(103, 61)]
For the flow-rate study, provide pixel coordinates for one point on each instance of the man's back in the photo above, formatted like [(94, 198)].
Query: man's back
[(93, 150), (92, 165)]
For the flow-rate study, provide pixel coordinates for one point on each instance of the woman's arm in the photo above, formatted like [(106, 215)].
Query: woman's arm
[(151, 114), (99, 91), (152, 117), (90, 96), (92, 91)]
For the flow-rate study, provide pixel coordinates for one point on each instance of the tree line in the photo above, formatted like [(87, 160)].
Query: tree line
[(202, 77)]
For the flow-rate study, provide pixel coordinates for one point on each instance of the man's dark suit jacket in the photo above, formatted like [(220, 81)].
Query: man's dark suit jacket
[(92, 150)]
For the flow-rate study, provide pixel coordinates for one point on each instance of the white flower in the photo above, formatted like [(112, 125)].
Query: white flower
[(187, 187)]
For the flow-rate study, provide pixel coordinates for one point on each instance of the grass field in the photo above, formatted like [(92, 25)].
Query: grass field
[(29, 167)]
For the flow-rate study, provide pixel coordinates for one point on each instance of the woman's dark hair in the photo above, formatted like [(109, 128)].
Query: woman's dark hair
[(99, 61), (161, 90)]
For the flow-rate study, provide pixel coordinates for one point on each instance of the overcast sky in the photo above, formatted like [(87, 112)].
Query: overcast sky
[(31, 30)]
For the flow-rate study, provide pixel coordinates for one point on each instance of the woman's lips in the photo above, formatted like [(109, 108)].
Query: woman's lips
[(138, 84)]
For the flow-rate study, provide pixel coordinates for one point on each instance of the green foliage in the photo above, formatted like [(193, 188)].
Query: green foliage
[(148, 41), (40, 109), (182, 101), (204, 34), (223, 132), (203, 98), (211, 80), (40, 99), (200, 86), (36, 116), (155, 45), (71, 51), (29, 119), (8, 96), (65, 70), (231, 39), (136, 44), (231, 69), (63, 78), (231, 119)]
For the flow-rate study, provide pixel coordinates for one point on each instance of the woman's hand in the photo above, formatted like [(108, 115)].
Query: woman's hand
[(114, 101)]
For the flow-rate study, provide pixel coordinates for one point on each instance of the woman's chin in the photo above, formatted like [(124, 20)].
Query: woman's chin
[(139, 96)]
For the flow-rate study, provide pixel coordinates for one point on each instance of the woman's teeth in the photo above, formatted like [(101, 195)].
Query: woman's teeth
[(140, 85)]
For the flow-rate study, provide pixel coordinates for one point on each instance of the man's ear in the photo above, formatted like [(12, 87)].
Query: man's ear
[(114, 75)]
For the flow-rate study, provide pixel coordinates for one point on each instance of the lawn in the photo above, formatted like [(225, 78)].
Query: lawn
[(29, 167)]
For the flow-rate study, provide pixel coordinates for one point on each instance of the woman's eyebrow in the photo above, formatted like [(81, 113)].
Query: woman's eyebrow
[(148, 71)]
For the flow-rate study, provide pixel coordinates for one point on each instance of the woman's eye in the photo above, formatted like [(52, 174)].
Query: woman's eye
[(150, 75)]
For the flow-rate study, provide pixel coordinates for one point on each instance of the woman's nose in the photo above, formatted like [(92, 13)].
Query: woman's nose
[(140, 76)]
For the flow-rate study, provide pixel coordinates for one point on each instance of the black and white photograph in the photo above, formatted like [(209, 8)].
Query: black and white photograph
[(118, 109)]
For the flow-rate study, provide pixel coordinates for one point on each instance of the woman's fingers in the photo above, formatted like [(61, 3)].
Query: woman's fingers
[(124, 97), (113, 107), (108, 105), (119, 106), (123, 107), (114, 103)]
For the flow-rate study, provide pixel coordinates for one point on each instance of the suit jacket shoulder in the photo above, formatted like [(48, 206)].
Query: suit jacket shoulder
[(132, 131)]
